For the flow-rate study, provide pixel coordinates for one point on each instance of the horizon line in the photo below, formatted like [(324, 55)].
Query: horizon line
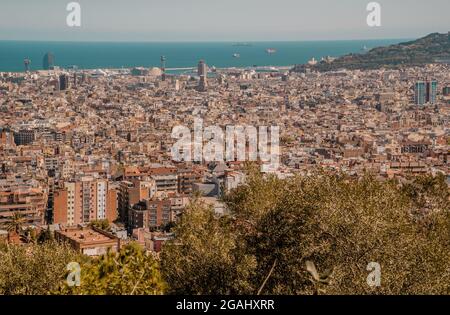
[(206, 41)]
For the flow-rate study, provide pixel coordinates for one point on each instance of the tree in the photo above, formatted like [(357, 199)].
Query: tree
[(33, 269), (206, 256), (16, 222), (41, 269), (30, 235), (101, 224), (337, 224), (131, 271), (45, 236)]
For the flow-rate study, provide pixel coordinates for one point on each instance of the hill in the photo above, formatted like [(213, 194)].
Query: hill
[(432, 48)]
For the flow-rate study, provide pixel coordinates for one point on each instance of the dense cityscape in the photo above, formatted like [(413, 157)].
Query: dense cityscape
[(89, 176), (224, 156), (80, 146)]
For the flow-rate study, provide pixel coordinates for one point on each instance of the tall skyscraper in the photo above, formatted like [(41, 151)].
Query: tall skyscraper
[(202, 70), (425, 92), (49, 61), (419, 93), (63, 82), (431, 91)]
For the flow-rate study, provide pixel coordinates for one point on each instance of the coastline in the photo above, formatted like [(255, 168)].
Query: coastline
[(102, 55)]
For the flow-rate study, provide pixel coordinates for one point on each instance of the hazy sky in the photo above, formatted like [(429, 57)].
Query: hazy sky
[(233, 20)]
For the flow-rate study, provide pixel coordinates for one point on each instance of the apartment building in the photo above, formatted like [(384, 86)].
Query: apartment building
[(166, 178), (186, 178), (27, 198), (132, 191), (83, 201), (150, 214)]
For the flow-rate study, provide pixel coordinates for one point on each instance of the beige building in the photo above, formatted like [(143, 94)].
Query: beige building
[(89, 241)]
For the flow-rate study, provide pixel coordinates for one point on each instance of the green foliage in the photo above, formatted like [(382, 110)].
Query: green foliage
[(131, 271), (33, 269), (101, 224), (39, 269), (338, 224), (45, 236), (16, 222), (302, 235), (206, 257)]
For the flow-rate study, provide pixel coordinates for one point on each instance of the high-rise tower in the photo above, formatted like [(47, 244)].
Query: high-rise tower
[(63, 82), (431, 91), (425, 92), (49, 61), (419, 93), (163, 68), (202, 70)]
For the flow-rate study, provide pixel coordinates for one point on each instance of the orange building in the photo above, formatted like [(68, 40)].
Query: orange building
[(6, 138), (84, 201), (150, 214), (19, 197)]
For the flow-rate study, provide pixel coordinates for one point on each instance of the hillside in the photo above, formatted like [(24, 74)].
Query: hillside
[(429, 49)]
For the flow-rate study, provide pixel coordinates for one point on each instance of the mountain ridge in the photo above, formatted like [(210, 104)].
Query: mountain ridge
[(432, 48)]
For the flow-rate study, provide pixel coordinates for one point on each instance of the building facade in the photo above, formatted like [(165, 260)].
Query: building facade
[(85, 201)]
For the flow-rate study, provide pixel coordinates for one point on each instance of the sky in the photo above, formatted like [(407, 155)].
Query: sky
[(220, 20)]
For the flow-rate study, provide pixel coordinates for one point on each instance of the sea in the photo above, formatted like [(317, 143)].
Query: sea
[(114, 55)]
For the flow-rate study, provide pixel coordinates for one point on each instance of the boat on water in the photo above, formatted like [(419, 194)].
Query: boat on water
[(312, 62), (236, 55), (365, 48), (271, 50)]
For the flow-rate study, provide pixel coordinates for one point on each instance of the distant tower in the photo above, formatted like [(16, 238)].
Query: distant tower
[(49, 61), (163, 68), (431, 91), (425, 92), (27, 63), (63, 82), (84, 78), (419, 93), (202, 70)]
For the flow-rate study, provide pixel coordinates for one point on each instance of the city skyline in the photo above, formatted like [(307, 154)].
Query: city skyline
[(199, 20)]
